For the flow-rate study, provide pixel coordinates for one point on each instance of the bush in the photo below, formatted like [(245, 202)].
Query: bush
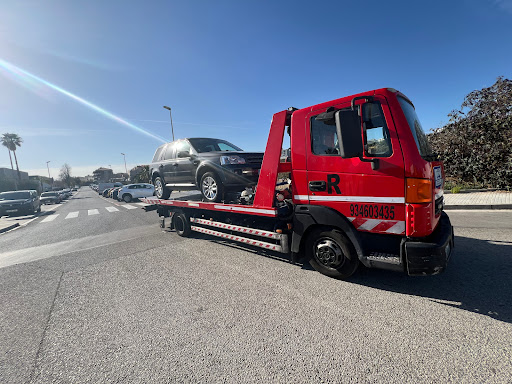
[(476, 144)]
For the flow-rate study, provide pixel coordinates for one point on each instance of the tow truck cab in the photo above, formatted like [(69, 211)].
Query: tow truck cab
[(379, 185)]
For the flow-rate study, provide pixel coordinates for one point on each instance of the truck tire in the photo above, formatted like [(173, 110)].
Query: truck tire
[(161, 191), (211, 187), (331, 253), (181, 224)]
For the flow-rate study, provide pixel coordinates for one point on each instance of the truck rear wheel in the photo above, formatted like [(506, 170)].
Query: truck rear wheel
[(181, 224), (331, 253)]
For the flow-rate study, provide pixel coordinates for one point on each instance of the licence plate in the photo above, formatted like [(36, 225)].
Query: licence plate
[(438, 176), (11, 210)]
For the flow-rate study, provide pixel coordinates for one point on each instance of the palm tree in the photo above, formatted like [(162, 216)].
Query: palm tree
[(11, 141)]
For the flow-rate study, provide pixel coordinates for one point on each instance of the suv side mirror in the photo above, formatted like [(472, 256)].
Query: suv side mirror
[(183, 154), (348, 127)]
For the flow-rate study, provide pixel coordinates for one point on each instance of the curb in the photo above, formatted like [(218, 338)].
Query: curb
[(488, 206), (5, 229)]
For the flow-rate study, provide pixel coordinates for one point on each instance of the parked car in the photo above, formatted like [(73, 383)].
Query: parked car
[(19, 202), (210, 165), (115, 192), (135, 191), (105, 192), (50, 198)]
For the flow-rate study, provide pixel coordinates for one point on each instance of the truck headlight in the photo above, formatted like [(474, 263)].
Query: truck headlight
[(233, 159)]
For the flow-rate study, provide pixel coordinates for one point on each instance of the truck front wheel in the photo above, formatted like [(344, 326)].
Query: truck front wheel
[(331, 253)]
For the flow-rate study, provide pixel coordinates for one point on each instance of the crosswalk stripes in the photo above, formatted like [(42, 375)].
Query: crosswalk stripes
[(49, 218), (90, 212), (142, 204), (72, 215)]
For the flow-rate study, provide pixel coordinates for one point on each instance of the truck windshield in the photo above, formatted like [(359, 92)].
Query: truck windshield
[(417, 131)]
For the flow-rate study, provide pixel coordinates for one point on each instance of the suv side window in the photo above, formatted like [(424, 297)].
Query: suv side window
[(324, 139), (182, 146), (158, 152), (377, 142), (170, 152)]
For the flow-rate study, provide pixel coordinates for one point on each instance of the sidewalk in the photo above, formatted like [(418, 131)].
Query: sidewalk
[(478, 200)]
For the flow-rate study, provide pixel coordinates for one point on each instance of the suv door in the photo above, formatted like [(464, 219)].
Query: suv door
[(373, 200), (184, 170), (167, 164)]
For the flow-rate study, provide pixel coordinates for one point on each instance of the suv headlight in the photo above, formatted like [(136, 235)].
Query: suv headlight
[(233, 159)]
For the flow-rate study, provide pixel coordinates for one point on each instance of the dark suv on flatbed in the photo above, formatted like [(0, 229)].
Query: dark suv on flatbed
[(210, 165)]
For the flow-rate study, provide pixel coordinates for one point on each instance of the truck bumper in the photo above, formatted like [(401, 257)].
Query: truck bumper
[(430, 255)]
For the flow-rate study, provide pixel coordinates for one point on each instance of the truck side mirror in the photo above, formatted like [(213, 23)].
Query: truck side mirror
[(348, 127)]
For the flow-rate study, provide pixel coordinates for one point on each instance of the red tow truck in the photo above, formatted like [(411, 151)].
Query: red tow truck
[(360, 186)]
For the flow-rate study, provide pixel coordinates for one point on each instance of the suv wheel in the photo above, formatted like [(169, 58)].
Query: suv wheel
[(211, 187), (161, 191), (127, 198)]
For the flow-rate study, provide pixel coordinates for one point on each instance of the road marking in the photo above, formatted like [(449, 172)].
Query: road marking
[(128, 206), (72, 215), (93, 212), (49, 218), (112, 209), (142, 204)]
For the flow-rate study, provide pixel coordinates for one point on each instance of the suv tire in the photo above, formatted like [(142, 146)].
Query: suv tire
[(161, 191), (211, 187)]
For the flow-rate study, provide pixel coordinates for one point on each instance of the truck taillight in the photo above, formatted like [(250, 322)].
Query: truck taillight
[(418, 191)]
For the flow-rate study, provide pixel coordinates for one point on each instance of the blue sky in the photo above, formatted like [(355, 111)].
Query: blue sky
[(225, 67)]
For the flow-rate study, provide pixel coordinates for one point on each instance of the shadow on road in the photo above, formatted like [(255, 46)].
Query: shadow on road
[(478, 278)]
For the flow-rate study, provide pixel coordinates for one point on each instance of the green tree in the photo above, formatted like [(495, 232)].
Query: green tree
[(143, 175), (476, 143), (12, 141)]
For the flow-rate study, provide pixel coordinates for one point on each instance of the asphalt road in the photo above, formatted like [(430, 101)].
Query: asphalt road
[(110, 297)]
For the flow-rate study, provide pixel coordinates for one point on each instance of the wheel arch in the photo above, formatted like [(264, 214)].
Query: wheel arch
[(310, 217), (202, 169)]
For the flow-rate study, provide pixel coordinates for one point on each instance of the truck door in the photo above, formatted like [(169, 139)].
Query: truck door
[(373, 200)]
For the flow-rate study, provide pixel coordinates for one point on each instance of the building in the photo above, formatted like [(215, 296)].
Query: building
[(103, 175), (8, 173)]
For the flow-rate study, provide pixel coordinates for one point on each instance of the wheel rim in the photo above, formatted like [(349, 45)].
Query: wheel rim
[(159, 188), (209, 188), (328, 253)]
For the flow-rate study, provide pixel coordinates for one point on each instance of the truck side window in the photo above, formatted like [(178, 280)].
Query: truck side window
[(324, 139), (377, 142)]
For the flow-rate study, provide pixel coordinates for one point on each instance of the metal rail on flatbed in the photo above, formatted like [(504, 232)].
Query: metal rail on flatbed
[(219, 207)]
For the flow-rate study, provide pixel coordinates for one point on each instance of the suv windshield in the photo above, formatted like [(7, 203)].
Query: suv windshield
[(14, 195), (417, 131), (212, 145)]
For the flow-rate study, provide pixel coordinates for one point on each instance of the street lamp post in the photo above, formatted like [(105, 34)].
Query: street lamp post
[(126, 169), (49, 177), (170, 114)]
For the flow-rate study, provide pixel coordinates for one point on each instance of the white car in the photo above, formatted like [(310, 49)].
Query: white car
[(135, 191)]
